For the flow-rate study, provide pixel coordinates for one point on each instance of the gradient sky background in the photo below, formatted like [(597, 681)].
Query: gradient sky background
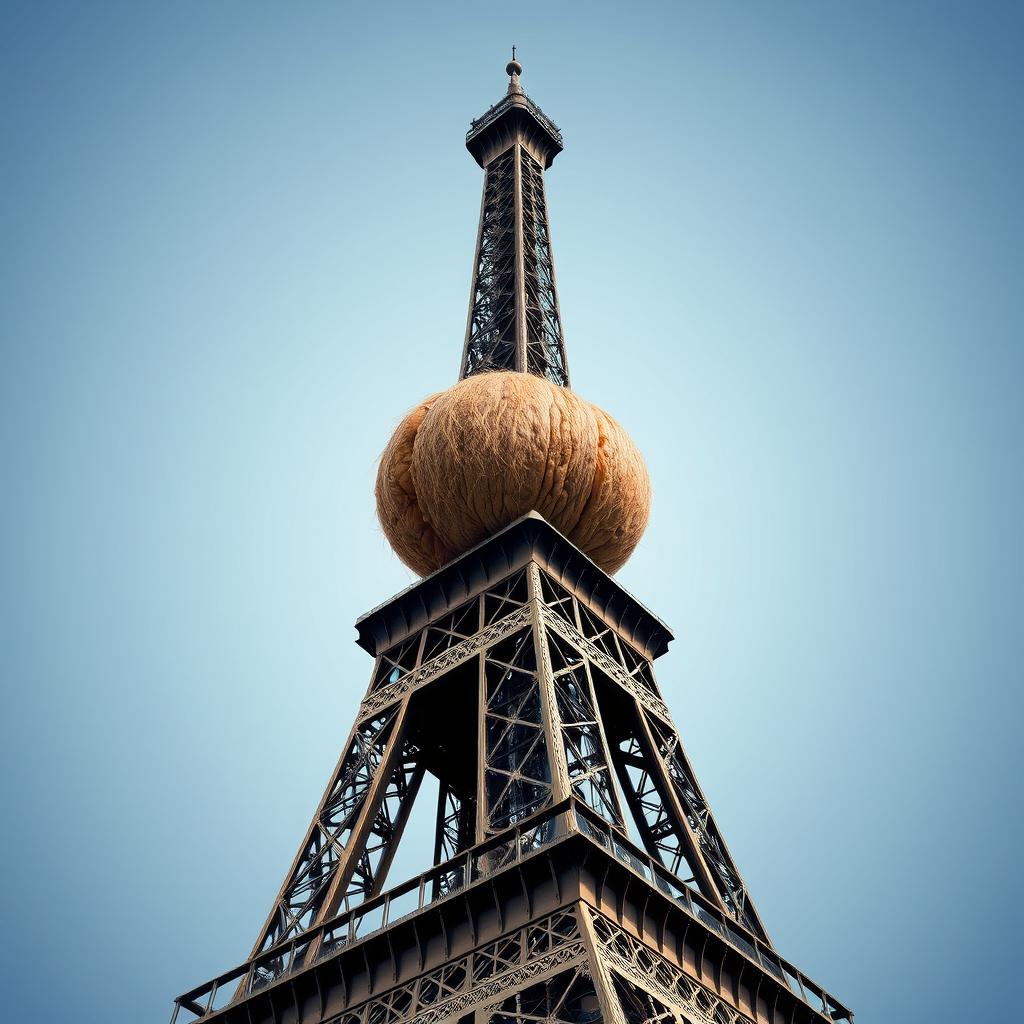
[(236, 248)]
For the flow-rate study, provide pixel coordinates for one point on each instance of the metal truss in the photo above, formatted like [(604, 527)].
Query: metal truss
[(517, 771), (586, 753), (573, 620), (485, 976), (571, 967), (514, 321), (649, 988), (658, 828), (304, 894), (567, 998), (545, 351), (368, 861), (370, 867), (540, 653), (455, 824), (396, 664), (491, 336), (712, 849), (455, 832), (638, 1005), (352, 840), (669, 809), (401, 669)]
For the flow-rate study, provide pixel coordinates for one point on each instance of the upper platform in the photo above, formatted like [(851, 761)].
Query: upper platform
[(514, 118), (529, 539)]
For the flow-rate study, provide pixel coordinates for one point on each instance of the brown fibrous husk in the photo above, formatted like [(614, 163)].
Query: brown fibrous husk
[(470, 460)]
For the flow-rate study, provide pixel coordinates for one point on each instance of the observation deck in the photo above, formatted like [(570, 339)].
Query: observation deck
[(513, 116), (382, 956)]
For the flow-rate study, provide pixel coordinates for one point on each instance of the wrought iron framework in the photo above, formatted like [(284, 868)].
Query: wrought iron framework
[(564, 707), (491, 342), (514, 320), (520, 679)]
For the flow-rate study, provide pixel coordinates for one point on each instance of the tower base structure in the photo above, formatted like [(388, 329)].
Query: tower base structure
[(540, 906)]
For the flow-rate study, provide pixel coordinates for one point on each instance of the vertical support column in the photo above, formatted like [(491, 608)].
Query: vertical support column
[(577, 729), (380, 872), (554, 279), (560, 786), (481, 765), (520, 267), (345, 811), (605, 748), (694, 856), (519, 771), (611, 1009), (463, 366), (357, 841)]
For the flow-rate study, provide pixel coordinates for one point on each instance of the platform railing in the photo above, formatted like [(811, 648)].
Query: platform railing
[(510, 847), (611, 839), (499, 108), (482, 860)]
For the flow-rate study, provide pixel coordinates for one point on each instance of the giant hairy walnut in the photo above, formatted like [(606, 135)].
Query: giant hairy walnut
[(468, 461)]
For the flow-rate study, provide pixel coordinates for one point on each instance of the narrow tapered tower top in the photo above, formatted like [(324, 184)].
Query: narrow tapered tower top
[(514, 320), (515, 113)]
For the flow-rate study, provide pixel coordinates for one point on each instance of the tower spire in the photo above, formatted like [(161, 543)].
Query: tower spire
[(514, 69), (514, 321)]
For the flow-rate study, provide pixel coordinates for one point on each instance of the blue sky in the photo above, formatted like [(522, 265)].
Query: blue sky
[(236, 248)]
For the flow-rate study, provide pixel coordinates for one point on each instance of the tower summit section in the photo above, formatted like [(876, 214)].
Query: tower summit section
[(514, 321), (510, 437)]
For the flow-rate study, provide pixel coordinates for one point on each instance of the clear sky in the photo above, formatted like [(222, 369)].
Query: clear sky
[(236, 247)]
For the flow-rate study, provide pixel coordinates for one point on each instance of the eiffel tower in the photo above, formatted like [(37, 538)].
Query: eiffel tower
[(578, 873)]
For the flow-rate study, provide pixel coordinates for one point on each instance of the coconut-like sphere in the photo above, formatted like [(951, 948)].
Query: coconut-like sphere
[(468, 461)]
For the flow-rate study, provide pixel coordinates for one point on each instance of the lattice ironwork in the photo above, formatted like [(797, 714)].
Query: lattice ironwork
[(406, 667), (454, 833), (649, 757), (545, 350), (394, 665), (586, 756), (638, 1005), (731, 889), (491, 342), (543, 947), (660, 831), (568, 998), (675, 990), (514, 319), (370, 867), (541, 738), (517, 769), (304, 893), (505, 597), (588, 633)]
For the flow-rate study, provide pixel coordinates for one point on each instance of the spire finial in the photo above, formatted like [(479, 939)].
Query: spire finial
[(514, 69)]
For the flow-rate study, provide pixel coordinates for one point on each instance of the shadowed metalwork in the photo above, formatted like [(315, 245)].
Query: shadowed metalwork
[(545, 353), (491, 342), (327, 841), (517, 769), (514, 319)]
